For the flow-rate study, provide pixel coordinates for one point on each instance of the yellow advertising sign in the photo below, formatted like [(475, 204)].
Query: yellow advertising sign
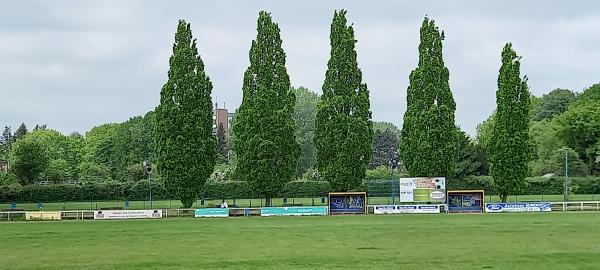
[(42, 216)]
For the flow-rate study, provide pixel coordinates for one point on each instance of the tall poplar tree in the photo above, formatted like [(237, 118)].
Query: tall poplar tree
[(344, 131), (266, 149), (429, 138), (185, 145), (510, 149)]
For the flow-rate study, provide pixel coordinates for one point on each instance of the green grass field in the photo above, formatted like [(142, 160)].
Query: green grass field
[(50, 206), (500, 241)]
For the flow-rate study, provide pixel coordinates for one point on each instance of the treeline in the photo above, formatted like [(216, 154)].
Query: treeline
[(107, 152), (564, 127), (281, 134)]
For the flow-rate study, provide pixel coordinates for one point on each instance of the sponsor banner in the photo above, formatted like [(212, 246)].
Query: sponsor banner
[(211, 212), (466, 201), (347, 203), (293, 211), (384, 209), (42, 216), (127, 214), (406, 209), (517, 207), (423, 189)]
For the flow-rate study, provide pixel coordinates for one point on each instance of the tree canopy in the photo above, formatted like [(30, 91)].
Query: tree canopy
[(185, 147), (510, 148), (266, 149), (344, 131), (428, 132)]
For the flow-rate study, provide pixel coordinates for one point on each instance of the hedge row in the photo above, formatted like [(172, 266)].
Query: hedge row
[(137, 191), (90, 192), (534, 186), (295, 189)]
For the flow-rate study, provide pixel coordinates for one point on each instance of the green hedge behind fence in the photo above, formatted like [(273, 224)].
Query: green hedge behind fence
[(535, 185), (138, 191)]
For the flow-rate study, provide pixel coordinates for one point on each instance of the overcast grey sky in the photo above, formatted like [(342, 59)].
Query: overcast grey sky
[(77, 64)]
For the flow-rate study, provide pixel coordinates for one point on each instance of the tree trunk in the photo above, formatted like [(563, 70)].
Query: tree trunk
[(503, 197)]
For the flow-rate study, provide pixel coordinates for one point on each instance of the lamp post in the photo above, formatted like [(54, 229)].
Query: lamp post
[(393, 167), (566, 196), (148, 168)]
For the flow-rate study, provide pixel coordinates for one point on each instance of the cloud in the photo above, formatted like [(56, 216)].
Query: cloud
[(76, 64)]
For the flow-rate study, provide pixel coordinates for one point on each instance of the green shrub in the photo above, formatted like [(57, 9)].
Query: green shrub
[(7, 179), (472, 182), (226, 190), (382, 173), (306, 189)]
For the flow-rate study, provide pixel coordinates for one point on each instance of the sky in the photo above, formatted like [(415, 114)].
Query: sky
[(76, 64)]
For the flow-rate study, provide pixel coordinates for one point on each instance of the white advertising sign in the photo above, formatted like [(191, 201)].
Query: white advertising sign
[(127, 214), (423, 189), (406, 209), (517, 207)]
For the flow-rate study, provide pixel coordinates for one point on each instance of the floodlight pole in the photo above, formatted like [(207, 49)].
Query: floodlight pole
[(566, 197), (150, 188), (148, 168), (393, 162)]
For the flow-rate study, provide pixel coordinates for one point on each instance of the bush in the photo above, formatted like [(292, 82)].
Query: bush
[(7, 179), (104, 191), (306, 189), (9, 193), (534, 186), (382, 173), (226, 190), (138, 191), (472, 182)]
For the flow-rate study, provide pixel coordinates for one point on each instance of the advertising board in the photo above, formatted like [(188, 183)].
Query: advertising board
[(294, 211), (42, 215), (406, 209), (466, 201), (423, 189), (211, 212), (127, 214), (517, 207), (347, 203)]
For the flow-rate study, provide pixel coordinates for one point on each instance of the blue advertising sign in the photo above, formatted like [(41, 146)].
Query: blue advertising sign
[(211, 212), (517, 207), (348, 203), (466, 201), (294, 211)]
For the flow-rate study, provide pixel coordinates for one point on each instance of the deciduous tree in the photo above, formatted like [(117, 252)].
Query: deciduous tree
[(185, 146), (429, 141), (344, 131), (510, 147), (305, 112), (266, 149)]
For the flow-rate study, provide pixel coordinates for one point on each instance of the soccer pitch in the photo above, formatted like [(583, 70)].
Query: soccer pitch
[(486, 241)]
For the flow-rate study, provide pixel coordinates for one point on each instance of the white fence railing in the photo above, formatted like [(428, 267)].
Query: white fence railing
[(180, 213), (576, 206)]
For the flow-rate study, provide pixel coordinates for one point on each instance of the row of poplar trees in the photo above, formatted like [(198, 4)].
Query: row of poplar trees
[(264, 142), (429, 135)]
